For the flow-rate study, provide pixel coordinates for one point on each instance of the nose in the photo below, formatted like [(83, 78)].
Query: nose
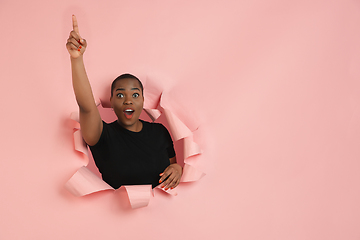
[(127, 101)]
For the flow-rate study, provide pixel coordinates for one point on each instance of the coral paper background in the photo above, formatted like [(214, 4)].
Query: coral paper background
[(273, 84)]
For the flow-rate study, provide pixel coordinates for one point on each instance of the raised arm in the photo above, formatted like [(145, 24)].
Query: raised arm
[(90, 120)]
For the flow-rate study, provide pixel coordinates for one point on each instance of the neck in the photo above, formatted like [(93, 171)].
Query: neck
[(136, 127)]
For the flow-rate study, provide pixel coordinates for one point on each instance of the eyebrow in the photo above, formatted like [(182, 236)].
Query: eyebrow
[(123, 89)]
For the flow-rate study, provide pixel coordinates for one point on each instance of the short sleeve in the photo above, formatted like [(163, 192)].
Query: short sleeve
[(170, 147), (171, 151)]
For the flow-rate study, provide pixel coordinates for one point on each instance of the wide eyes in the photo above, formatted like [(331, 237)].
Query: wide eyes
[(135, 95), (120, 95)]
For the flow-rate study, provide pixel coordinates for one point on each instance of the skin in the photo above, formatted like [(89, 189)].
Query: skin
[(173, 172), (127, 94)]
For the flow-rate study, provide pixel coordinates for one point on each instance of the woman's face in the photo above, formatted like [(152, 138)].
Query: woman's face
[(127, 102)]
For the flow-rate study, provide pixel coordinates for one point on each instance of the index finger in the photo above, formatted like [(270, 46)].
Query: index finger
[(75, 25)]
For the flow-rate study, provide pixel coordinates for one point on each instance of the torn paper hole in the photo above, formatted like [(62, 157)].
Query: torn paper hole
[(85, 182)]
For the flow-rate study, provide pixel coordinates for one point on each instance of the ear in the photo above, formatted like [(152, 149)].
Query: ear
[(111, 102)]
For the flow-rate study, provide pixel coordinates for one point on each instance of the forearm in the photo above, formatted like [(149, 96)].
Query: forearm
[(173, 160), (81, 85)]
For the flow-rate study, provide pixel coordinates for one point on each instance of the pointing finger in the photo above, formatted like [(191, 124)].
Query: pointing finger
[(75, 25)]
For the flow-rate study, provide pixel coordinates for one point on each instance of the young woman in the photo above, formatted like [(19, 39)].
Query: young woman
[(127, 151)]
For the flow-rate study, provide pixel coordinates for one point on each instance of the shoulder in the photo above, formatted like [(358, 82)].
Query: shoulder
[(113, 125), (108, 128), (156, 130), (153, 126)]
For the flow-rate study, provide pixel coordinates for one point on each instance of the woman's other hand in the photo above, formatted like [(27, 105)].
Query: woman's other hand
[(172, 174), (75, 44)]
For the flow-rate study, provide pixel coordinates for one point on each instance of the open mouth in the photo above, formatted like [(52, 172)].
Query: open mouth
[(129, 113)]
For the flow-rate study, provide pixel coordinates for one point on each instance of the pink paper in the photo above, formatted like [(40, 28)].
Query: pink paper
[(169, 191), (178, 129), (85, 182), (191, 148), (153, 113), (191, 174), (79, 143), (139, 195)]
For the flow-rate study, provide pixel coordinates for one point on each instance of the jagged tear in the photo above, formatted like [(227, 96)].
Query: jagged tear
[(85, 182)]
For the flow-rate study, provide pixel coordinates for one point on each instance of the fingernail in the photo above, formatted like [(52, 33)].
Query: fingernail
[(166, 189), (172, 188), (80, 47), (160, 181)]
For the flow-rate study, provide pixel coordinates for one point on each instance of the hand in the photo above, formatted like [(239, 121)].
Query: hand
[(172, 174), (75, 44)]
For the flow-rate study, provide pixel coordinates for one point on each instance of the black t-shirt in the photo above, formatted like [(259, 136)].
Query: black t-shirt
[(124, 157)]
